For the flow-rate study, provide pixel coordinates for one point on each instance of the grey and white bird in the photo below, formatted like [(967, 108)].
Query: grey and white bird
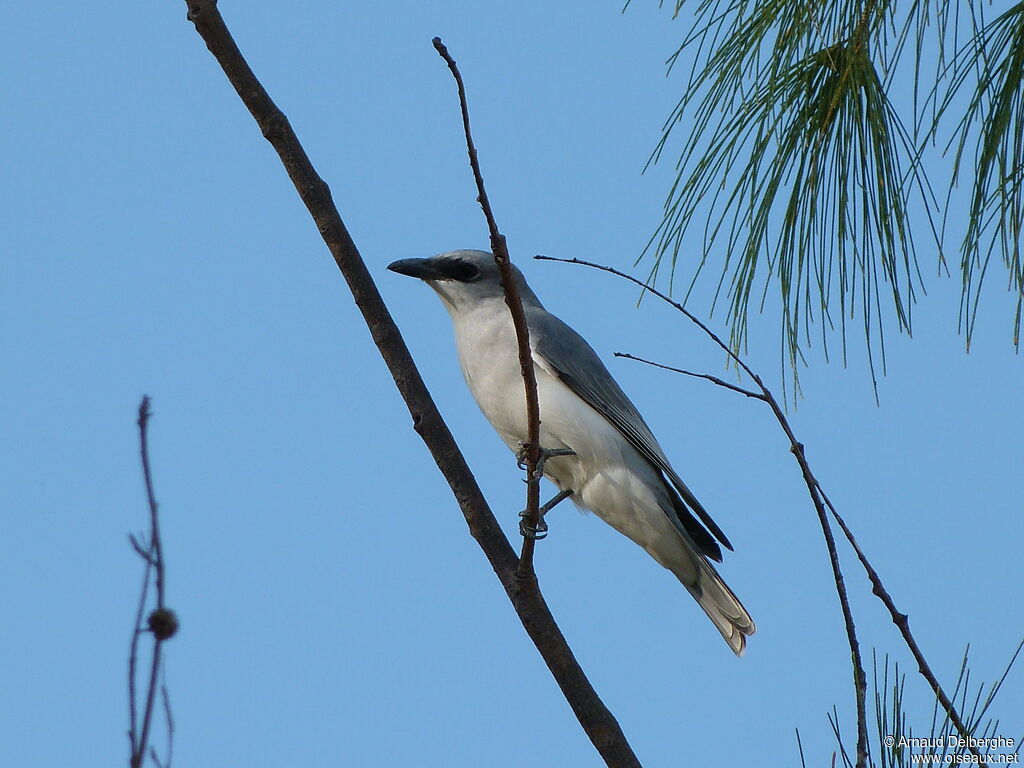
[(616, 468)]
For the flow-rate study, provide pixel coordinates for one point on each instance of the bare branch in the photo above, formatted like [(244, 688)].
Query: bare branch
[(859, 680), (599, 724), (162, 624), (156, 548), (169, 716), (813, 488), (133, 656), (141, 549), (664, 297), (821, 501), (902, 623), (515, 306), (712, 379)]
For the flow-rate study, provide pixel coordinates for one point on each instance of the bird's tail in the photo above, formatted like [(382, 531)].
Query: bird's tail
[(720, 604)]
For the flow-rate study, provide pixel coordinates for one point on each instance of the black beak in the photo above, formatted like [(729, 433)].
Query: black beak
[(424, 269)]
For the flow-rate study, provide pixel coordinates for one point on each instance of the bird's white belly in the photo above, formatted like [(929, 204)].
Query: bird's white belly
[(606, 473)]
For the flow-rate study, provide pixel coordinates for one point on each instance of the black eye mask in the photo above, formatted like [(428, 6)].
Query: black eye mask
[(457, 269)]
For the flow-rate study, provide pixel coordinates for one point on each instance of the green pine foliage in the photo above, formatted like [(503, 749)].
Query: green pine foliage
[(813, 132)]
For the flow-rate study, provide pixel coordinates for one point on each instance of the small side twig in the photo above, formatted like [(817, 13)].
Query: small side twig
[(499, 248), (169, 721), (161, 623), (709, 377)]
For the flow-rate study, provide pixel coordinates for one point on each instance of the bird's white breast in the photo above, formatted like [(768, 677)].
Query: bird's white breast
[(606, 474), (488, 356)]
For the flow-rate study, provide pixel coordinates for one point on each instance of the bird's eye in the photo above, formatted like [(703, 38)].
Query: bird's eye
[(463, 271)]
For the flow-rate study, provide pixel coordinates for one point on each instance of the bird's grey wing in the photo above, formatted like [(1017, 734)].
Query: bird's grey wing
[(579, 367)]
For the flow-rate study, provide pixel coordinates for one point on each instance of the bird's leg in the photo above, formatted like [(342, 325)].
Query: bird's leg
[(522, 456), (527, 530), (541, 529)]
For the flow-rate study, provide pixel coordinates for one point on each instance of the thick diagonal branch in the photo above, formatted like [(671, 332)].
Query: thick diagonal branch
[(529, 604)]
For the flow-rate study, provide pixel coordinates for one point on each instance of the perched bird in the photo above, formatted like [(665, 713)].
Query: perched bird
[(600, 451)]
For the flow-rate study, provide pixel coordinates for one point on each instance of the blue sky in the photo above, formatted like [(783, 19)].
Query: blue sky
[(334, 609)]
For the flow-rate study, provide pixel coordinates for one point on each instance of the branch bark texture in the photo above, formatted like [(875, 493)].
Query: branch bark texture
[(598, 722)]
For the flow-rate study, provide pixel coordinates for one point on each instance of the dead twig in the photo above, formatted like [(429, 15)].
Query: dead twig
[(499, 248), (599, 724), (162, 623), (707, 376), (859, 681), (821, 502)]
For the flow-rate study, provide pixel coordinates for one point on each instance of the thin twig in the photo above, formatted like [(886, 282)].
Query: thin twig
[(599, 724), (141, 550), (902, 623), (709, 377), (169, 717), (821, 501), (170, 723), (859, 681), (133, 653), (154, 561), (692, 317), (154, 518), (162, 623), (515, 306)]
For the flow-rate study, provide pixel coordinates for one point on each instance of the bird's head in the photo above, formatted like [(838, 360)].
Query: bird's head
[(463, 279)]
